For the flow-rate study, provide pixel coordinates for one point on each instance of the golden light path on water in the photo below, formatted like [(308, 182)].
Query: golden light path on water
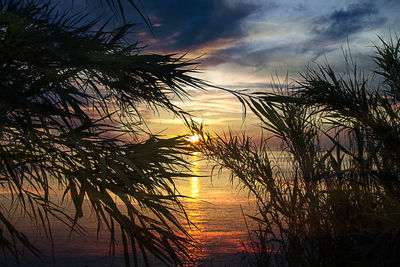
[(195, 189), (215, 210), (195, 179)]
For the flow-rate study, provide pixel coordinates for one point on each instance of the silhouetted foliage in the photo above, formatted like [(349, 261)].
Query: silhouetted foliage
[(69, 118), (330, 196)]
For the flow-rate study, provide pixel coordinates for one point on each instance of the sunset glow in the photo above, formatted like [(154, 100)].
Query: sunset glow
[(193, 138)]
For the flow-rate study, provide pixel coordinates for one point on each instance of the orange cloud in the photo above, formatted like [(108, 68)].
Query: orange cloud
[(209, 48)]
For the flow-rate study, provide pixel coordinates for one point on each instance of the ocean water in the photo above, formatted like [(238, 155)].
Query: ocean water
[(218, 210), (217, 207)]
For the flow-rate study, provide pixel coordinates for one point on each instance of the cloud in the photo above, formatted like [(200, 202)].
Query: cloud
[(346, 21), (250, 40), (211, 52), (187, 24)]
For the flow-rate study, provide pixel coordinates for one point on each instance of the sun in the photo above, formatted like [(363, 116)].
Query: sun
[(193, 138)]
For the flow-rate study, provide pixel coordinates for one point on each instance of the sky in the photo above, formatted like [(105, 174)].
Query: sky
[(251, 44), (242, 41)]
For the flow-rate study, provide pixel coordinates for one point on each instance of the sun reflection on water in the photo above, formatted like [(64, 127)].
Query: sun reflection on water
[(214, 212), (195, 214), (195, 187), (195, 179)]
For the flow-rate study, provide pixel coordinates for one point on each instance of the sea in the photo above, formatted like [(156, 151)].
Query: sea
[(217, 205)]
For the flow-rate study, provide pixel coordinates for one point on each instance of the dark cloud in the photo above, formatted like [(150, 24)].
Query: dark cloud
[(184, 24), (215, 28), (343, 22)]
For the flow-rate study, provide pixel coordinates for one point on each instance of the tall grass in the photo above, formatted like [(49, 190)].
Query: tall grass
[(70, 91), (334, 198)]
